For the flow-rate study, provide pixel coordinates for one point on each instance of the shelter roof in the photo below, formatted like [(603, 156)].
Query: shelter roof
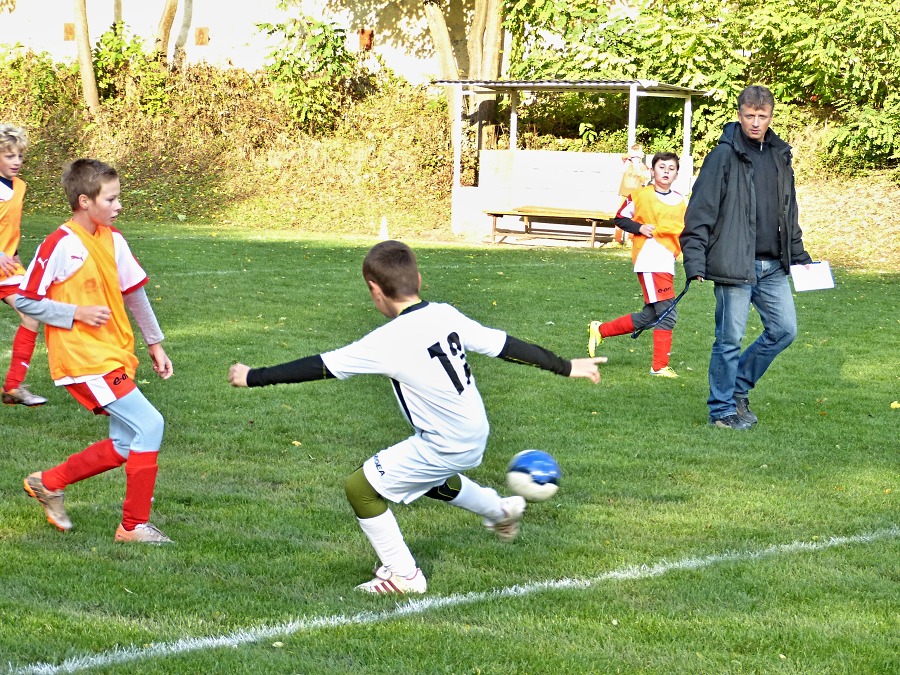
[(648, 87)]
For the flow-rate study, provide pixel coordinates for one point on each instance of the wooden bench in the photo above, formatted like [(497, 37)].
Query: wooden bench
[(552, 194), (555, 223)]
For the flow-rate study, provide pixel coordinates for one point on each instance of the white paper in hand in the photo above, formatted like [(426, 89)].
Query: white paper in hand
[(817, 277)]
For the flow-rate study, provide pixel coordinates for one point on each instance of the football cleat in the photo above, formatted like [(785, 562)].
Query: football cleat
[(22, 396), (145, 533), (386, 582), (594, 337), (51, 500), (507, 528), (665, 371)]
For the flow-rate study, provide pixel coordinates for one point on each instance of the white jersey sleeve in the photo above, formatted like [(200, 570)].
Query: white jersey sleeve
[(423, 351)]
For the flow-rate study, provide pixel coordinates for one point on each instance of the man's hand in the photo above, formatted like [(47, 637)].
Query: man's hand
[(92, 315), (587, 368), (237, 375)]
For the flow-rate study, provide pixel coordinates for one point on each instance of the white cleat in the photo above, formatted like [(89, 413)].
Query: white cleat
[(507, 528), (386, 582)]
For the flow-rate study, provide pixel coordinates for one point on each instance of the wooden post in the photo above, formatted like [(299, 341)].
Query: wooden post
[(513, 119), (456, 106), (632, 114)]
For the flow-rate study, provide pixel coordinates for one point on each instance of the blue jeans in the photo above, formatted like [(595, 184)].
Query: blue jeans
[(732, 372)]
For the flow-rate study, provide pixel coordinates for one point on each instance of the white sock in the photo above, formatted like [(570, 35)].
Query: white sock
[(477, 499), (387, 540)]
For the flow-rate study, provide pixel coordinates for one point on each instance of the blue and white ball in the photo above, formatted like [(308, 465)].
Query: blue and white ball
[(534, 475)]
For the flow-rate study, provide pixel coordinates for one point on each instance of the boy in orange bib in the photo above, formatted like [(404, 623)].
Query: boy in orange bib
[(655, 216), (82, 278), (13, 143)]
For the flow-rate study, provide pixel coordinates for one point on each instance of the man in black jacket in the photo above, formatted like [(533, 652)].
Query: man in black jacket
[(741, 231)]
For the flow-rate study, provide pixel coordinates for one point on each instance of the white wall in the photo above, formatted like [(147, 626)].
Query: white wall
[(401, 37)]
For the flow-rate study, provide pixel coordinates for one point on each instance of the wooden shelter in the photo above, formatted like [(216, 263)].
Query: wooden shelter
[(514, 178)]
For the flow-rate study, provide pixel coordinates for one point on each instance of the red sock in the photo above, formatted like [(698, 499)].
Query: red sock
[(94, 459), (620, 326), (140, 475), (662, 346), (22, 351)]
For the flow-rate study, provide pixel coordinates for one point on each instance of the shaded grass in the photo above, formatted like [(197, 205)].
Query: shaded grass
[(251, 481)]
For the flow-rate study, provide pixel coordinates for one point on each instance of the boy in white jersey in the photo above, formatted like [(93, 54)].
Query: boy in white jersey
[(423, 350), (654, 215)]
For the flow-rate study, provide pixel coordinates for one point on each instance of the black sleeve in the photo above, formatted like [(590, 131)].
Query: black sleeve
[(307, 369), (703, 211), (627, 224), (518, 351)]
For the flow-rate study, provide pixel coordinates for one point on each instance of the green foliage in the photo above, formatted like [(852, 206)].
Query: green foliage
[(34, 88), (870, 137), (840, 58), (126, 74), (312, 70)]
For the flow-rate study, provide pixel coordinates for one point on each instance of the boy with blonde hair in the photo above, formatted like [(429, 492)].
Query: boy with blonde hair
[(82, 278), (13, 144)]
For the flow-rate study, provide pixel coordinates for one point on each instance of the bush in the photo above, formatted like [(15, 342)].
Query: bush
[(225, 148), (313, 73)]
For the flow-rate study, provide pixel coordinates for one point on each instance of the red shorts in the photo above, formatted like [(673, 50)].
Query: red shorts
[(8, 290), (100, 392), (657, 286)]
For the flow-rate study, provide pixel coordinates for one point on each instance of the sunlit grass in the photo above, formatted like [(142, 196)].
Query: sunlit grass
[(251, 482)]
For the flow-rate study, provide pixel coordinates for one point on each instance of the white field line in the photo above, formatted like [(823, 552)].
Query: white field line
[(120, 655)]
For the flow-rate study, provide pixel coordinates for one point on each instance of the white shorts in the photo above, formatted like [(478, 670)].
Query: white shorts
[(409, 469)]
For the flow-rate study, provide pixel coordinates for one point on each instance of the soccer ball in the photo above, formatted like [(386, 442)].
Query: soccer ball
[(534, 475)]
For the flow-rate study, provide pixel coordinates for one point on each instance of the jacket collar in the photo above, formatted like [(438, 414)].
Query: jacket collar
[(733, 136)]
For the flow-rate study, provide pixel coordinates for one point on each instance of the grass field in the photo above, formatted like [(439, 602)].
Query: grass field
[(670, 548)]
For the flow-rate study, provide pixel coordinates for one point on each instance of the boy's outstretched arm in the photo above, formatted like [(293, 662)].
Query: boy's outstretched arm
[(307, 369), (519, 351)]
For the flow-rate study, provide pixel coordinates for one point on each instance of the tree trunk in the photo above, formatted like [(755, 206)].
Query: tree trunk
[(85, 59), (440, 36), (182, 38), (117, 12), (475, 42), (161, 43), (492, 48), (485, 45)]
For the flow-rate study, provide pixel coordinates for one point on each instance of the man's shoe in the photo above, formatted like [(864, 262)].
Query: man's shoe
[(743, 410), (145, 533), (665, 371), (386, 582), (51, 500), (21, 396), (730, 422), (594, 337), (507, 528)]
